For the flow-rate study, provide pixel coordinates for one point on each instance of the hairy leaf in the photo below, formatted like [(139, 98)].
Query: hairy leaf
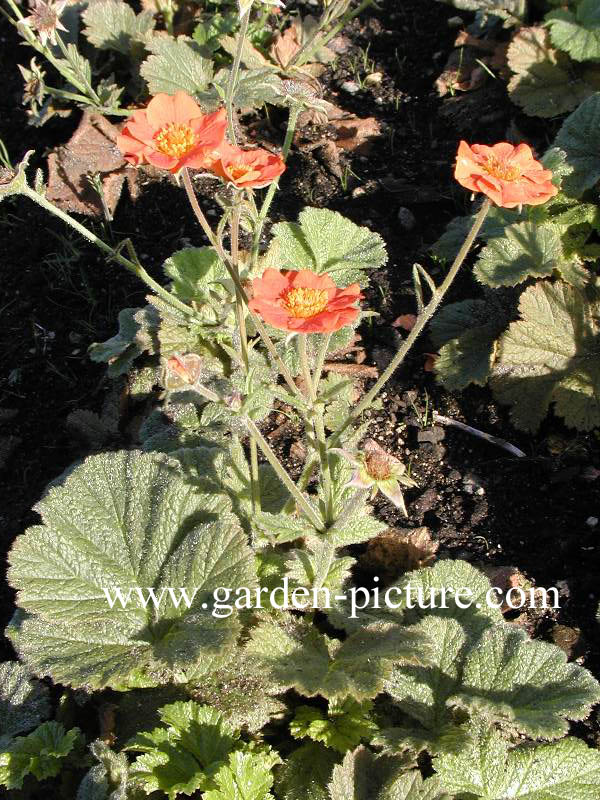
[(543, 83), (524, 251), (579, 137), (342, 728), (489, 769), (24, 702), (40, 754), (197, 274), (465, 334), (550, 356), (113, 25), (527, 684), (107, 780), (246, 776), (326, 242), (182, 755), (306, 773), (176, 64), (126, 520), (297, 655), (578, 33)]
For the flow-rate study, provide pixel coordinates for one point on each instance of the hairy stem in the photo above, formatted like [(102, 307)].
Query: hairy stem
[(215, 242), (318, 427), (233, 75), (132, 266), (266, 205), (356, 501), (289, 484), (241, 319), (321, 356), (421, 322)]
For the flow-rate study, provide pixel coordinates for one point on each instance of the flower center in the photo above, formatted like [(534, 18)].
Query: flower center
[(175, 139), (237, 172), (304, 302), (501, 170), (378, 467)]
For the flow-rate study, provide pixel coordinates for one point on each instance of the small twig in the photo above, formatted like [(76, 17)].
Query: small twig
[(479, 434)]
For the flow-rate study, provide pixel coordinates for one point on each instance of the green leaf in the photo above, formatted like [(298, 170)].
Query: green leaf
[(24, 702), (506, 9), (465, 334), (363, 776), (107, 780), (295, 654), (579, 137), (326, 242), (40, 754), (524, 251), (240, 693), (525, 684), (550, 356), (342, 728), (182, 756), (578, 34), (546, 82), (121, 350), (197, 273), (113, 25), (176, 64), (126, 520), (306, 773), (489, 769), (247, 776), (281, 528), (254, 88)]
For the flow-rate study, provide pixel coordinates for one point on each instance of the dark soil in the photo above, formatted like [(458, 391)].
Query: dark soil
[(58, 295)]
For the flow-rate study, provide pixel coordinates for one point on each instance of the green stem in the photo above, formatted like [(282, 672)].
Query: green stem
[(132, 266), (264, 210), (289, 484), (304, 479), (241, 318), (320, 39), (421, 322), (233, 75), (358, 499), (318, 427), (215, 242), (321, 356)]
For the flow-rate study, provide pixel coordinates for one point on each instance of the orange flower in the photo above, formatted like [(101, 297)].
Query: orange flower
[(172, 133), (303, 302), (247, 168), (510, 176)]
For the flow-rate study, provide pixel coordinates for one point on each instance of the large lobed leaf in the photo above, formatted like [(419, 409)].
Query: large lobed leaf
[(550, 356), (577, 33), (565, 770), (176, 64), (546, 82), (579, 137), (114, 25), (24, 702), (326, 242), (127, 520)]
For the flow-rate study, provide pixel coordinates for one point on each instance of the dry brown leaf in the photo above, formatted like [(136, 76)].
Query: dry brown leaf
[(90, 151), (285, 46), (399, 550), (354, 133), (405, 321)]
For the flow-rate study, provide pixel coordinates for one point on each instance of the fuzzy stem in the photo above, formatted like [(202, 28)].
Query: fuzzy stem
[(289, 484), (321, 356), (132, 266), (357, 499), (236, 281), (266, 205), (241, 317), (421, 322), (233, 75), (318, 426)]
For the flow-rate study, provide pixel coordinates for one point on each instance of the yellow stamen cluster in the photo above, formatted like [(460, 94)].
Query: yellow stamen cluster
[(303, 302), (238, 171), (175, 139), (501, 169)]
